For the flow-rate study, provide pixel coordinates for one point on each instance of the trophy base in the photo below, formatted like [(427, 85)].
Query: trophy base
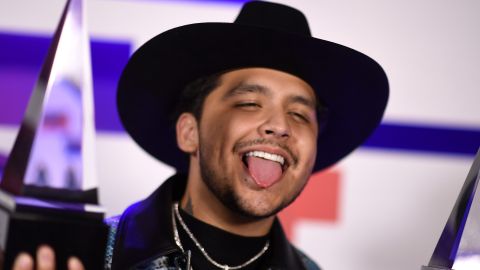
[(434, 268), (69, 229)]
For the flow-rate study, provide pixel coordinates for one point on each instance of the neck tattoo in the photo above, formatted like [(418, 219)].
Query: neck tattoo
[(176, 215)]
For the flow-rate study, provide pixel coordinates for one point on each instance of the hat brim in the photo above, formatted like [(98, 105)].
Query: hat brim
[(352, 85)]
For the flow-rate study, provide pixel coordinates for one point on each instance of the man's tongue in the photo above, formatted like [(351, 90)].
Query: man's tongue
[(264, 172)]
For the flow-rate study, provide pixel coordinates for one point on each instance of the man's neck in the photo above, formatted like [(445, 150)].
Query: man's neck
[(212, 211)]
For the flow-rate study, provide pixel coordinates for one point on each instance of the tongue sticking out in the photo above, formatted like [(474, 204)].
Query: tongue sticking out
[(264, 172)]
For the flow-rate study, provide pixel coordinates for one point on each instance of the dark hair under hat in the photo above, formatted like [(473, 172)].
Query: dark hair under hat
[(352, 85)]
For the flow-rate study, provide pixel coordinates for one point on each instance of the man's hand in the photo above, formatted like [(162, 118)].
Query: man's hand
[(45, 261)]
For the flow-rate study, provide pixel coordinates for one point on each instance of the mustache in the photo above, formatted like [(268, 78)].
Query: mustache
[(262, 141)]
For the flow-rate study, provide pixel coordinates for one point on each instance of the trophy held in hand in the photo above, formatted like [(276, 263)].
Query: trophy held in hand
[(48, 191)]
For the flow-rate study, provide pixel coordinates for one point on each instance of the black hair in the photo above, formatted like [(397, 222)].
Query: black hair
[(193, 96)]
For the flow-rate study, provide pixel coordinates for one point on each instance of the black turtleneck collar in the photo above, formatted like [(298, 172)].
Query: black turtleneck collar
[(224, 247)]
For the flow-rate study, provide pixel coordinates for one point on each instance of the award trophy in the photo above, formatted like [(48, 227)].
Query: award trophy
[(459, 245), (48, 191)]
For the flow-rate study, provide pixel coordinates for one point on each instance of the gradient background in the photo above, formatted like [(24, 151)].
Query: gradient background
[(384, 206)]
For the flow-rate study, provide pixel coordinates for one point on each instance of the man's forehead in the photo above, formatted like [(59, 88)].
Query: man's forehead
[(265, 81)]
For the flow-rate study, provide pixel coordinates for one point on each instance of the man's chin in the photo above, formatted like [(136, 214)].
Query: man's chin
[(253, 211)]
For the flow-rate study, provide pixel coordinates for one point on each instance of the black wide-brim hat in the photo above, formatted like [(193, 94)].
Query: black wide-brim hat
[(352, 85)]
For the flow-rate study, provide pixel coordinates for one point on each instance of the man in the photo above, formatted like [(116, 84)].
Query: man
[(254, 106)]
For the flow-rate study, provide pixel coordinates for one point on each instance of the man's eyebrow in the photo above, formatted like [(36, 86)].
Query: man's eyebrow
[(245, 88), (304, 101)]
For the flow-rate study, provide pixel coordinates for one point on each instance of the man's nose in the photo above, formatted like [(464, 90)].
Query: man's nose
[(276, 125)]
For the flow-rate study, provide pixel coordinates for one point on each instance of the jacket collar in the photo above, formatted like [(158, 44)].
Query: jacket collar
[(145, 231)]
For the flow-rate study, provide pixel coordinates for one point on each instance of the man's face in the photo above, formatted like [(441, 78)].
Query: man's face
[(257, 140)]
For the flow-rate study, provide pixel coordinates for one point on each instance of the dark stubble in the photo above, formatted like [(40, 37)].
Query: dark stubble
[(225, 193)]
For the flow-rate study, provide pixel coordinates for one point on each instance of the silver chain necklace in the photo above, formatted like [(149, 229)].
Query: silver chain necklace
[(202, 249)]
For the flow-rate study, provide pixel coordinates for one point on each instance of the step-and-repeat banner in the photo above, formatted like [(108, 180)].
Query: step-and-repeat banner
[(382, 207)]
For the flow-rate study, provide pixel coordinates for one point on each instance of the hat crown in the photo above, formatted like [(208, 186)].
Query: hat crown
[(274, 16)]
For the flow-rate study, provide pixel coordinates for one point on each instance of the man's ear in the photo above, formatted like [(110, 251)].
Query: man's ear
[(187, 133)]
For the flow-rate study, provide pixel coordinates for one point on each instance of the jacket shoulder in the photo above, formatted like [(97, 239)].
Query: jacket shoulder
[(307, 262), (112, 223)]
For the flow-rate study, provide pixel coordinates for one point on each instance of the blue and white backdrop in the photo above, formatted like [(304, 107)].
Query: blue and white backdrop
[(384, 206)]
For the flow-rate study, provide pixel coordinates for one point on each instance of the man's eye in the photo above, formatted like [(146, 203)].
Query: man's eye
[(300, 117), (247, 105)]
